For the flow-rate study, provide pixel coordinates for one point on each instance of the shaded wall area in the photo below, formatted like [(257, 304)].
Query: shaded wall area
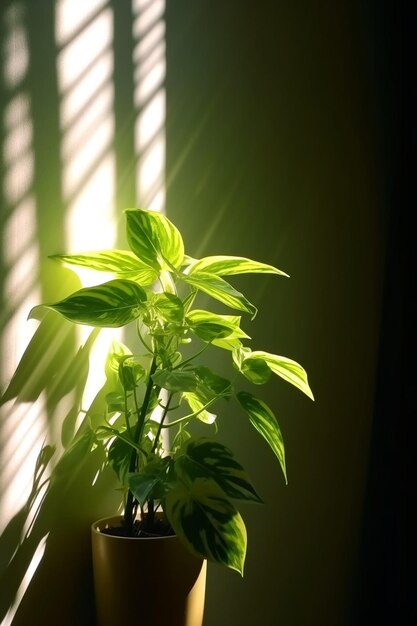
[(274, 152), (71, 97), (386, 569)]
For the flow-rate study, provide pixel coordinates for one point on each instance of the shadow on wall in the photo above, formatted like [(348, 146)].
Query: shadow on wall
[(81, 115), (47, 535)]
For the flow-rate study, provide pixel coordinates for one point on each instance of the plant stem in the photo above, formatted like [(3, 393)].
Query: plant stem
[(151, 508), (191, 358), (165, 413), (128, 515), (126, 414), (191, 415), (142, 339)]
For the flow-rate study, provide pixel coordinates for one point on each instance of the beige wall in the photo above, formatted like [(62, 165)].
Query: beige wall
[(273, 154)]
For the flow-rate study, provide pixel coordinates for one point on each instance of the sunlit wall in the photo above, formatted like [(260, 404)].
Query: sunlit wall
[(83, 137)]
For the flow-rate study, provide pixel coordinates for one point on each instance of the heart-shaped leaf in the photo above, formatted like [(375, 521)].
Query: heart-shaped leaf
[(207, 522), (154, 239), (109, 305), (221, 290), (205, 458), (289, 370), (123, 263), (210, 326)]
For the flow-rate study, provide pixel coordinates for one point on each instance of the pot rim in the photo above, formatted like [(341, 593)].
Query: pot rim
[(105, 522)]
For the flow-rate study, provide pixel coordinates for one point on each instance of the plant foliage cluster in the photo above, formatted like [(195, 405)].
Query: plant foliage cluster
[(156, 388)]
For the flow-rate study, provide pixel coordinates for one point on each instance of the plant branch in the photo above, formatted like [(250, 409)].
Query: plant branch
[(142, 339), (191, 415), (191, 358), (173, 408), (161, 423), (126, 412), (128, 515)]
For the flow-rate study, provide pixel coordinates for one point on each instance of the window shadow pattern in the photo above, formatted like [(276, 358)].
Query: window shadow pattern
[(82, 114)]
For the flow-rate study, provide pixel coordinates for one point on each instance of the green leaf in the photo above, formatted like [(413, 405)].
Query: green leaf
[(152, 482), (143, 486), (263, 420), (123, 263), (232, 265), (180, 439), (289, 370), (109, 305), (256, 370), (221, 290), (130, 373), (189, 260), (212, 385), (117, 352), (154, 239), (115, 402), (121, 368), (119, 455), (207, 523), (228, 343), (196, 405), (169, 307), (209, 459), (240, 353), (210, 326), (176, 380)]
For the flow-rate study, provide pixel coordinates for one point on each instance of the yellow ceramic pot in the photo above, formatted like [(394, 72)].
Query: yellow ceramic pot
[(146, 581)]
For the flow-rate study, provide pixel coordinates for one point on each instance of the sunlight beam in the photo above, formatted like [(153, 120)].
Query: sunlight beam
[(85, 67), (150, 102)]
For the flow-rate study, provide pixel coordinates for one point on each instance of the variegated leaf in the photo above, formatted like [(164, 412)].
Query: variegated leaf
[(109, 305), (197, 406), (289, 370), (206, 458), (222, 265), (168, 306), (263, 420), (207, 522), (210, 326), (221, 290), (154, 239), (228, 343), (256, 370), (240, 353), (123, 263)]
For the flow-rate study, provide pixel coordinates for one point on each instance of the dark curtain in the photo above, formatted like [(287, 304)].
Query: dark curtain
[(387, 576)]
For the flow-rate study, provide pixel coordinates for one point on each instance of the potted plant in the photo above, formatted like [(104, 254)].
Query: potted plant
[(178, 487)]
